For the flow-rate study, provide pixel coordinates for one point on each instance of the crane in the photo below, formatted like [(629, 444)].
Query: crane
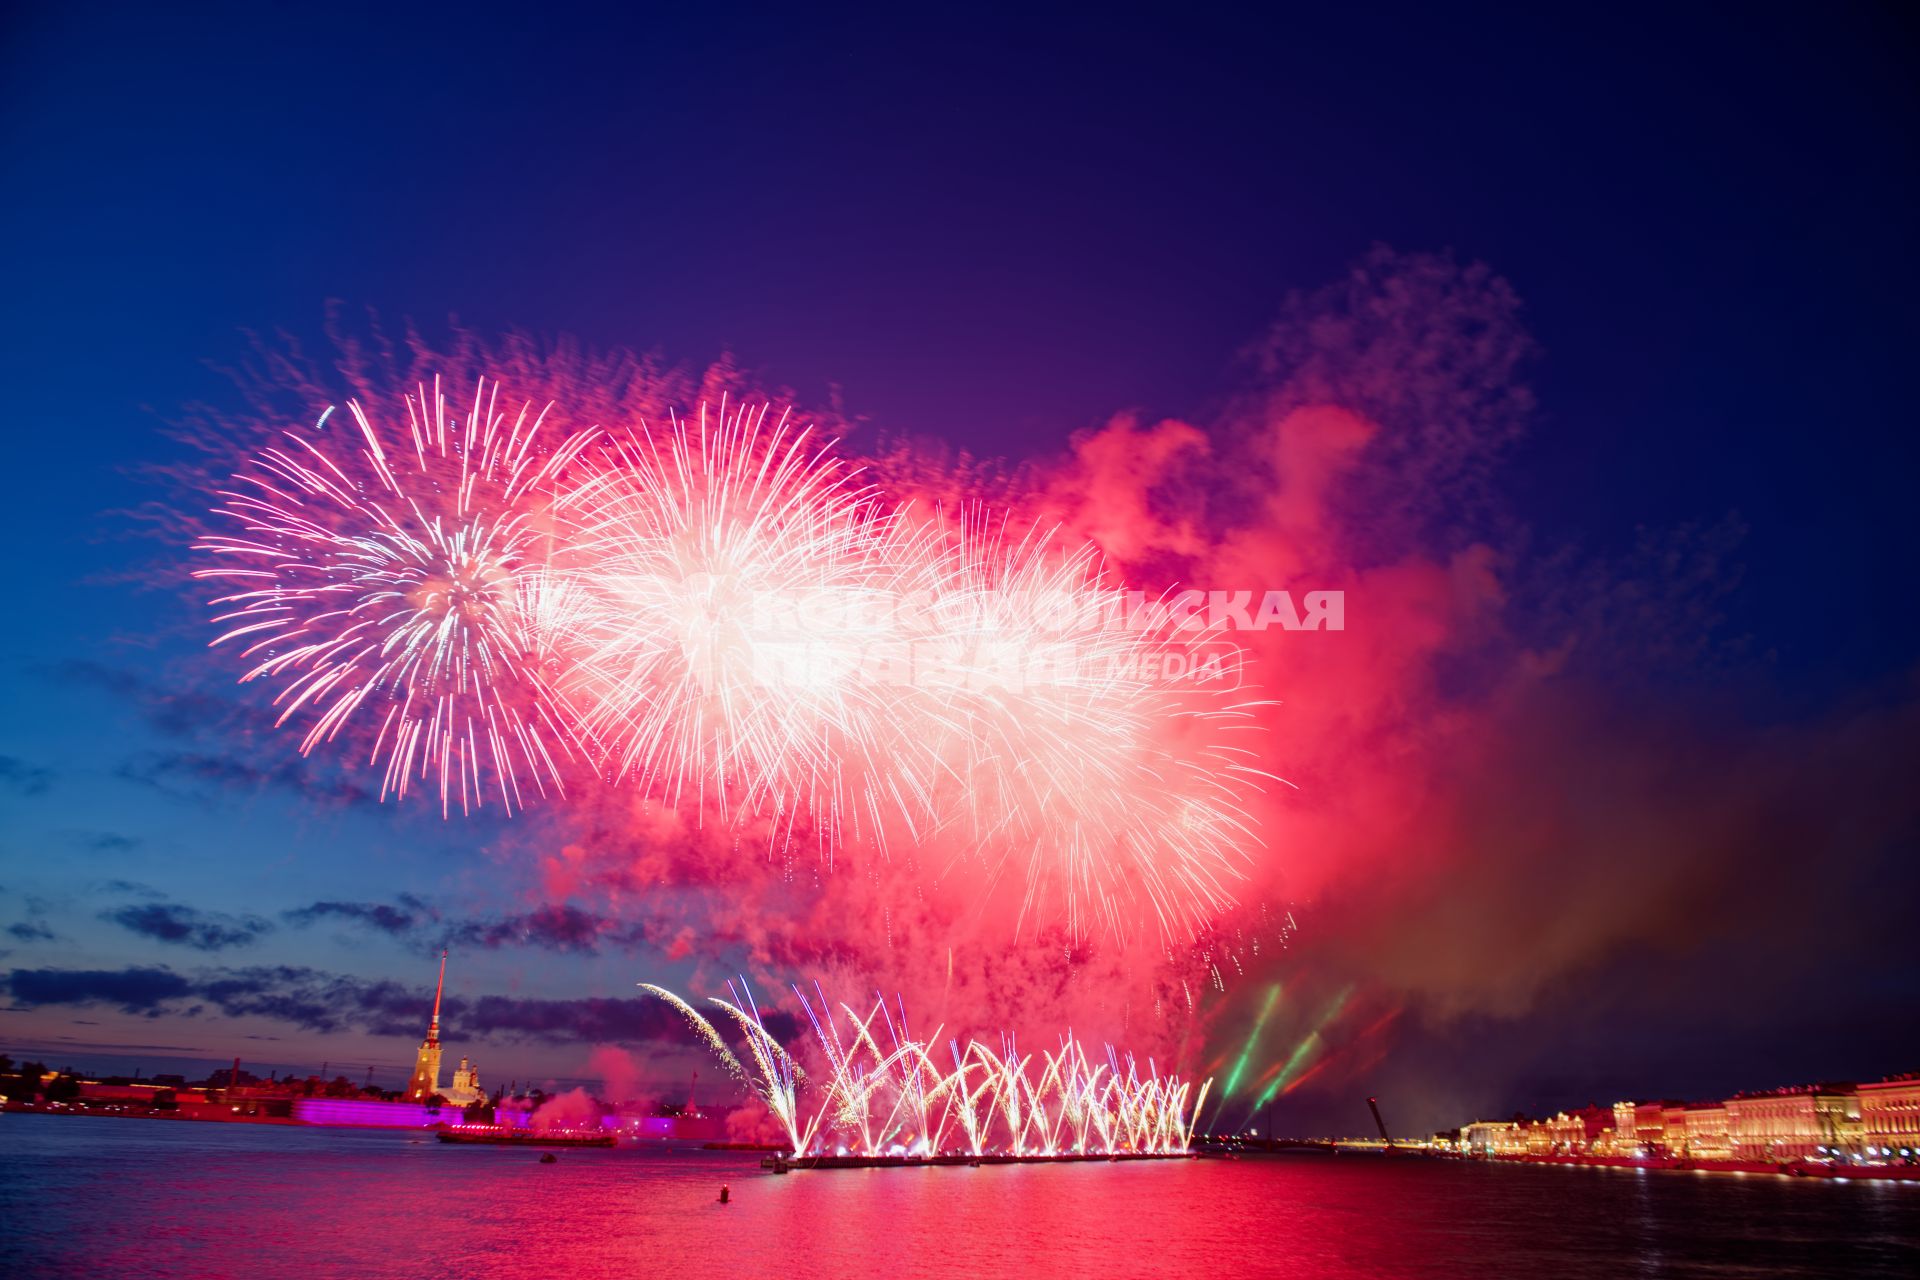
[(1373, 1105)]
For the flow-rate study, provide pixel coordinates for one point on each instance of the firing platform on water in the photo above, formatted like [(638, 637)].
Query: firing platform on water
[(784, 1164)]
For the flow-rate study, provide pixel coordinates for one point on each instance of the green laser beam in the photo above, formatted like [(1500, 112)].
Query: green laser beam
[(1253, 1042)]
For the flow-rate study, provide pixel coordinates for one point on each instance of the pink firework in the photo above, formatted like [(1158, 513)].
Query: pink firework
[(395, 591), (728, 585), (756, 636), (720, 613), (1084, 740)]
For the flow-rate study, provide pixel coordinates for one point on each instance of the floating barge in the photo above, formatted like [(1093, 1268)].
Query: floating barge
[(786, 1164), (499, 1136)]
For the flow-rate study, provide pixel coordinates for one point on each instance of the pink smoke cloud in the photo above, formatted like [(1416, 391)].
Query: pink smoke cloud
[(1472, 808)]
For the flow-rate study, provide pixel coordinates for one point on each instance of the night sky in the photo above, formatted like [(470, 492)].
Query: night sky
[(1683, 862)]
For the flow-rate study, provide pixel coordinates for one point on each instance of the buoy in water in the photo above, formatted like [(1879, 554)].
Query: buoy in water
[(547, 1157), (724, 1194)]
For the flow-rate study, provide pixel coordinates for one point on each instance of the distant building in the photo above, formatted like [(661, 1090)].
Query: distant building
[(1794, 1123), (1877, 1123), (1650, 1127), (1643, 1129), (1673, 1131), (465, 1089), (1890, 1116), (1706, 1132), (1571, 1132), (1623, 1142), (157, 1097), (1493, 1138), (425, 1080)]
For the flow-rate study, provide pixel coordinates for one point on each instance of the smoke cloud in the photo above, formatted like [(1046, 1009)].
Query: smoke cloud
[(1510, 771)]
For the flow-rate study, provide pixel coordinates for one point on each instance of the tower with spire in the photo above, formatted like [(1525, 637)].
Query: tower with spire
[(425, 1081)]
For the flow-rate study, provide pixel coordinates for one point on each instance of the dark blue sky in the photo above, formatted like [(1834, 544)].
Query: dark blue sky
[(999, 231), (993, 229)]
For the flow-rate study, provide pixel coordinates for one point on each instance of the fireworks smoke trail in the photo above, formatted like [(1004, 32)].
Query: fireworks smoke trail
[(385, 584)]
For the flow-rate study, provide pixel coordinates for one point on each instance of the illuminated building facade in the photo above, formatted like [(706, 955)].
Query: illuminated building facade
[(1493, 1138), (425, 1080), (1673, 1134), (1707, 1136), (1650, 1127), (1794, 1124), (1572, 1132), (465, 1089), (1890, 1116), (1621, 1142), (1875, 1123)]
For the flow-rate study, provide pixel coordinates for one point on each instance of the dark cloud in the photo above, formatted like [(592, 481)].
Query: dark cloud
[(219, 730), (175, 712), (561, 928), (185, 926), (131, 887), (26, 779), (32, 927), (190, 775), (325, 1002), (564, 928), (109, 842), (129, 990), (603, 1020), (400, 918)]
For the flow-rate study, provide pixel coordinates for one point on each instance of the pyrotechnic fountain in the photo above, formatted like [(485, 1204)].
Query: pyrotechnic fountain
[(884, 1098)]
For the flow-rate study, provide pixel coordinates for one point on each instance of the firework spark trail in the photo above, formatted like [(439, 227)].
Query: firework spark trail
[(395, 581), (704, 1029), (778, 1075), (1072, 747), (722, 614), (876, 1100), (694, 553)]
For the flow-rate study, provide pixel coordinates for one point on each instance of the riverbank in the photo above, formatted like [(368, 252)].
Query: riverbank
[(191, 1115), (1741, 1168)]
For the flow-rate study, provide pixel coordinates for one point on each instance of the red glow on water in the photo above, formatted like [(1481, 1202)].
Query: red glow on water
[(395, 1207)]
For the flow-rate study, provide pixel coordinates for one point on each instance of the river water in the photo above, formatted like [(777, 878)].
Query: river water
[(127, 1198)]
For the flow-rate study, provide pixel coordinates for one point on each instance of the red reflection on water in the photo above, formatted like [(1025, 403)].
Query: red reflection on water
[(118, 1198)]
